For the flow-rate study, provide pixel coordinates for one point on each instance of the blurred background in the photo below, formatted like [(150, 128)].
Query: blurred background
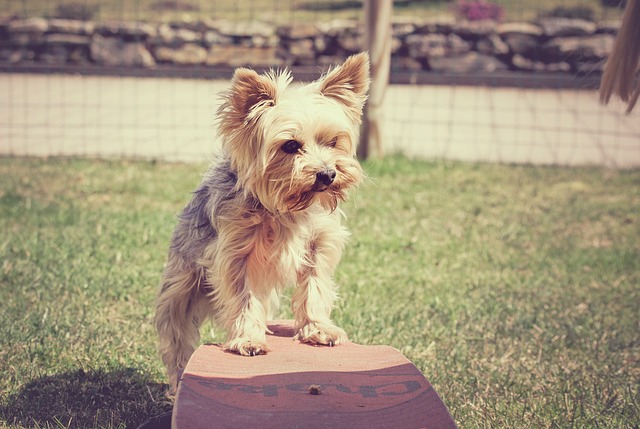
[(474, 80)]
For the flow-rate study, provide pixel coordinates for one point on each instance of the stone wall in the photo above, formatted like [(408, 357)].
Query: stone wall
[(445, 46)]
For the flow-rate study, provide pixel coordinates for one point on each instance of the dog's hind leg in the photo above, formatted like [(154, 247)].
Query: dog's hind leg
[(181, 307), (272, 304)]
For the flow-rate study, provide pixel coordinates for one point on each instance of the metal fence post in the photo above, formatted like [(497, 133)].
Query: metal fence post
[(377, 15)]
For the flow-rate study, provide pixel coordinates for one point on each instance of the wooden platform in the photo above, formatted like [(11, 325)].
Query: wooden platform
[(302, 386)]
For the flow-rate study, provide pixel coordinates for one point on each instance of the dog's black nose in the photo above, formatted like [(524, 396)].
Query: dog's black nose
[(325, 177)]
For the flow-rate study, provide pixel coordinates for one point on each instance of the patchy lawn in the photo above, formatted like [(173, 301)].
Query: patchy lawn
[(514, 289)]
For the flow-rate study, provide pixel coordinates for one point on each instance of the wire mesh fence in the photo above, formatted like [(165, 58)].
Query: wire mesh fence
[(56, 99)]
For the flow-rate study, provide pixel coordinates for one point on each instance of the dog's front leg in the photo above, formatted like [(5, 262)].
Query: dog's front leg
[(313, 298), (239, 306), (247, 333)]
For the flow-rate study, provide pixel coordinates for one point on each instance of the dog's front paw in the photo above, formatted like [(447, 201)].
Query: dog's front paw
[(247, 347), (321, 333)]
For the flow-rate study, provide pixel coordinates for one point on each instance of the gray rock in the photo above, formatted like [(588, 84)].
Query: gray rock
[(66, 39), (298, 31), (438, 25), (21, 40), (113, 51), (527, 64), (128, 29), (351, 40), (320, 45), (212, 37), (247, 29), (589, 67), (326, 61), (71, 26), (237, 56), (558, 67), (407, 63), (54, 54), (475, 29), (60, 48), (396, 45), (337, 26), (29, 25), (565, 27), (247, 34), (167, 35), (591, 49), (185, 35), (608, 27), (521, 43), (342, 36), (302, 49), (402, 27), (436, 45), (258, 41), (198, 26), (492, 44), (187, 54), (11, 55), (525, 28), (470, 62)]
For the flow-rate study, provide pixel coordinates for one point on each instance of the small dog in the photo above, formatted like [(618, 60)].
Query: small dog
[(266, 214)]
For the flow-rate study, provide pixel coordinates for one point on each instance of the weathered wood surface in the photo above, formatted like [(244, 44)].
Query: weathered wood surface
[(299, 385)]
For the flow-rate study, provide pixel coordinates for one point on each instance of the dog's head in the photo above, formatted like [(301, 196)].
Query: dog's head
[(293, 146)]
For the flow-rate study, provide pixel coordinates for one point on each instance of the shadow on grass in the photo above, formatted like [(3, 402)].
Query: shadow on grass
[(79, 399)]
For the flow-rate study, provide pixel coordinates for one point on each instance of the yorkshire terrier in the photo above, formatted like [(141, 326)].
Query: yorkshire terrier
[(266, 215)]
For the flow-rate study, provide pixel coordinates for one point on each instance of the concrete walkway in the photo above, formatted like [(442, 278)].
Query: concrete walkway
[(173, 119)]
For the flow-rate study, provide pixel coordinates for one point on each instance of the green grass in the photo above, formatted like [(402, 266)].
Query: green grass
[(278, 11), (515, 290)]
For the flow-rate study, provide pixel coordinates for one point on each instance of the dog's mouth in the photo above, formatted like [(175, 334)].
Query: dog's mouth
[(301, 201), (318, 192), (320, 187)]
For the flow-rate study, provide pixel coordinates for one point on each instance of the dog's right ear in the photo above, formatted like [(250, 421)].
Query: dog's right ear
[(348, 84)]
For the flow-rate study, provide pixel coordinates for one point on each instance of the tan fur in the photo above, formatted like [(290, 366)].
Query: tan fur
[(265, 218), (620, 71)]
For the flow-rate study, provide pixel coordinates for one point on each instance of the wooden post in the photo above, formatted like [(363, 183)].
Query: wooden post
[(377, 15)]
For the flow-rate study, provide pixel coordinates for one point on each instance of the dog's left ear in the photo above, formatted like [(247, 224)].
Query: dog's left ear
[(348, 84), (250, 94)]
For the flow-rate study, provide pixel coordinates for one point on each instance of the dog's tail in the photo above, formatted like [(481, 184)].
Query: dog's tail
[(620, 70), (181, 307)]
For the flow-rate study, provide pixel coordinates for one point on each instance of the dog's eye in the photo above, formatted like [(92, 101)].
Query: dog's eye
[(291, 146), (333, 142)]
